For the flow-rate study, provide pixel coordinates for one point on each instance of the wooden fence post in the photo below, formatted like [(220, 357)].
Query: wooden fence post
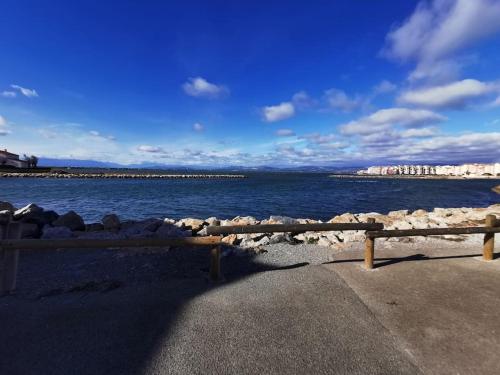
[(9, 258), (369, 248), (489, 238), (215, 274)]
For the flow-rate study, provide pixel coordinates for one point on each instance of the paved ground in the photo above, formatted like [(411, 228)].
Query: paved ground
[(441, 303), (154, 312)]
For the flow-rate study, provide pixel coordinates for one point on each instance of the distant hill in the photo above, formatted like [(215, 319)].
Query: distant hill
[(82, 163), (48, 162)]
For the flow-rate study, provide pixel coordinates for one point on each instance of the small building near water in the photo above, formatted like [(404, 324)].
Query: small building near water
[(10, 159)]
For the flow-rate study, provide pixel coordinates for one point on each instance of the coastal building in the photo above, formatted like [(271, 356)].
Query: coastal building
[(465, 170), (10, 159)]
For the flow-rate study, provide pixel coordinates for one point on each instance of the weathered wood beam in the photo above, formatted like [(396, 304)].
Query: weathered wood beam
[(33, 244), (295, 228), (430, 232)]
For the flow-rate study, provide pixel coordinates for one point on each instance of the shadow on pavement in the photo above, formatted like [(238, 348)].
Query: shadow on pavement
[(103, 312), (383, 262)]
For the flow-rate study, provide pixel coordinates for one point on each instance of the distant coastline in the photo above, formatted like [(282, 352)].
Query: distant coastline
[(414, 177)]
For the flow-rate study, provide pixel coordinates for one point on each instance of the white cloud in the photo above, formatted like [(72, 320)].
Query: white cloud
[(200, 87), (285, 132), (198, 127), (438, 30), (339, 100), (302, 100), (384, 87), (452, 95), (386, 118), (466, 146), (278, 112), (318, 138), (150, 149), (3, 126), (30, 93), (418, 133), (496, 102), (8, 94), (95, 133)]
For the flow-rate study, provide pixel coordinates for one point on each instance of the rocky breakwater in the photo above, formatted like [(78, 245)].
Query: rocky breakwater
[(118, 175), (47, 224)]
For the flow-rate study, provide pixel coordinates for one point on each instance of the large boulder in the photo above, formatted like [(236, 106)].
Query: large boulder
[(496, 189), (140, 229), (70, 220), (212, 221), (280, 238), (49, 232), (6, 206), (280, 220), (170, 230), (400, 214), (40, 218), (230, 239), (111, 222), (27, 210), (189, 223), (352, 236), (5, 216), (29, 230), (344, 218), (94, 227), (419, 212), (244, 220)]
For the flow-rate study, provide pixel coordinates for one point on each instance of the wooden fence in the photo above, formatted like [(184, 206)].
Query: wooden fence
[(11, 244)]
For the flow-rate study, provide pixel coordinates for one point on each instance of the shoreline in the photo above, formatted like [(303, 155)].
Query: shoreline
[(39, 223), (119, 175), (415, 177)]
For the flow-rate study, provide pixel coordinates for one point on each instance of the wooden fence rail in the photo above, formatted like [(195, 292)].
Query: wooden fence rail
[(11, 244), (492, 226), (294, 228)]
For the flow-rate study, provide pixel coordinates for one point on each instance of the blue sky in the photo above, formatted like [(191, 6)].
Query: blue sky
[(251, 83)]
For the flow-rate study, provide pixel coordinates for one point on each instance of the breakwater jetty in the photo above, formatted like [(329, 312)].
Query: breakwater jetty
[(120, 175)]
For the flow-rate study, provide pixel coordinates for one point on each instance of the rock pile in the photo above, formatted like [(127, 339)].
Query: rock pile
[(49, 225), (118, 175)]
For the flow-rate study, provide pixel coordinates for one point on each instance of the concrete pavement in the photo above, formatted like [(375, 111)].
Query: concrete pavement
[(424, 309), (441, 302)]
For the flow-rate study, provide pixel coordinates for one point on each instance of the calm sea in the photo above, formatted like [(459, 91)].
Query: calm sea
[(301, 195)]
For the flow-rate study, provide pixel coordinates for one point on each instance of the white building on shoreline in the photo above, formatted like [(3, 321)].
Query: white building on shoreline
[(465, 170), (9, 159)]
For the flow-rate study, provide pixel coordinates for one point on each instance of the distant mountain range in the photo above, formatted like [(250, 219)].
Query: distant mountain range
[(79, 163)]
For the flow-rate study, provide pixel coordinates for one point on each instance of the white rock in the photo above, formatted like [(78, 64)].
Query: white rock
[(344, 218), (352, 236), (30, 208), (189, 223), (280, 220), (398, 214), (244, 220), (213, 221), (323, 241)]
